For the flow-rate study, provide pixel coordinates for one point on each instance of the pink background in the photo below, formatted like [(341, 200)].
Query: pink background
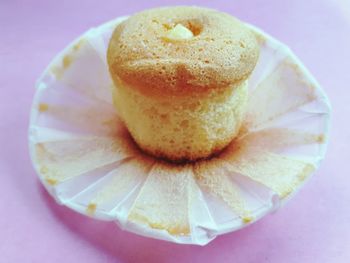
[(33, 228)]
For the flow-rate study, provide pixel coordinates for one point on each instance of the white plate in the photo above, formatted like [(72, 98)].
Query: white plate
[(86, 161)]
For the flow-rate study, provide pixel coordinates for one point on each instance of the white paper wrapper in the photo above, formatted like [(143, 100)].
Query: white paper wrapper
[(86, 160)]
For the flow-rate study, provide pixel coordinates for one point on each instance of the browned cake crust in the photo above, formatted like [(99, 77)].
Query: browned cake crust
[(221, 52)]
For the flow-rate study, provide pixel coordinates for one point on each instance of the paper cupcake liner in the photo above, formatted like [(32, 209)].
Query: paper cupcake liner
[(86, 160)]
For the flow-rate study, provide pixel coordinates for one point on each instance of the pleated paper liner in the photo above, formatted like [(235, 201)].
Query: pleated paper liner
[(85, 158)]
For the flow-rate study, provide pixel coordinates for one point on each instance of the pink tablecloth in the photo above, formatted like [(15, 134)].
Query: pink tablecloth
[(33, 228)]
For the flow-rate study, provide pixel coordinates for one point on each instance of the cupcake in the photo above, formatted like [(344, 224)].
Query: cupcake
[(274, 121), (180, 76)]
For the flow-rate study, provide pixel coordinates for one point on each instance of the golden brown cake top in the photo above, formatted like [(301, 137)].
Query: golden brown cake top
[(180, 50)]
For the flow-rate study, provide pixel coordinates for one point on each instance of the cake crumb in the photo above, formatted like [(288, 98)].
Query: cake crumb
[(51, 181), (43, 107), (91, 209), (67, 60), (247, 220), (321, 138)]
